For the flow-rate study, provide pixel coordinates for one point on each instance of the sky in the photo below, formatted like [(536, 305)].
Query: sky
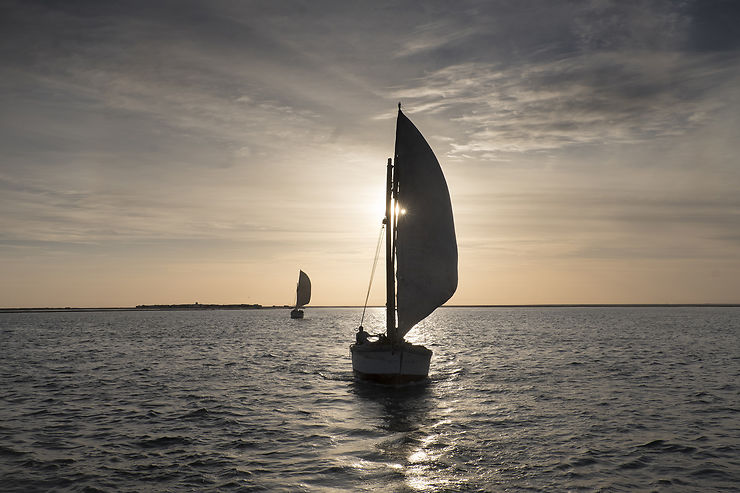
[(159, 152)]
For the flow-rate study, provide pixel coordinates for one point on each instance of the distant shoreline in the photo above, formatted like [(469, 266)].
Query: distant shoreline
[(201, 307)]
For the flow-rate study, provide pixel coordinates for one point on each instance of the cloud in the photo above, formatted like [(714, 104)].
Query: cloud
[(433, 36), (601, 98), (587, 73)]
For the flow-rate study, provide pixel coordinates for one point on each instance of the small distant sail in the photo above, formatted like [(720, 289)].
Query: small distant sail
[(303, 291), (426, 247)]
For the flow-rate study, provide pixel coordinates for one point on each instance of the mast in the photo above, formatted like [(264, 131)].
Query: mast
[(391, 221), (390, 274)]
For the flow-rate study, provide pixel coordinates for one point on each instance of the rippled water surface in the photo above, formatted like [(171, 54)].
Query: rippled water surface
[(526, 399)]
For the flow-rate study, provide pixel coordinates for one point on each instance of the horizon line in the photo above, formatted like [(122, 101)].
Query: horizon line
[(256, 306)]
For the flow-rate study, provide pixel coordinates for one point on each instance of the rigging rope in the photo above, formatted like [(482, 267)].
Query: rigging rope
[(372, 273)]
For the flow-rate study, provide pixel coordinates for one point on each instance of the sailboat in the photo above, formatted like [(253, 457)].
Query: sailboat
[(420, 255), (302, 295)]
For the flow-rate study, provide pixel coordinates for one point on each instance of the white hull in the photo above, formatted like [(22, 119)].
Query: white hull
[(390, 364)]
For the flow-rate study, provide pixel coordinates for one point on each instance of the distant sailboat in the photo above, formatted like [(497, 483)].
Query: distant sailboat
[(421, 254), (303, 295)]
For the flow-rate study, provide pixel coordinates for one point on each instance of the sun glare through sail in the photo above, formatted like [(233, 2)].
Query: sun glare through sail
[(399, 209)]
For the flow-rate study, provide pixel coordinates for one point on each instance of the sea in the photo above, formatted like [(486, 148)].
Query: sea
[(518, 399)]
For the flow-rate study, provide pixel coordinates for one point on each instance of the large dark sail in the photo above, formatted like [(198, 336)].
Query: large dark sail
[(426, 247)]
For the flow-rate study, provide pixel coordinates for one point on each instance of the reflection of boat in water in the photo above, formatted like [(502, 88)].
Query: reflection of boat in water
[(421, 255), (303, 295), (409, 408)]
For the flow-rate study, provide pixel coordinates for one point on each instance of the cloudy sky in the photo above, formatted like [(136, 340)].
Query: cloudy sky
[(182, 151)]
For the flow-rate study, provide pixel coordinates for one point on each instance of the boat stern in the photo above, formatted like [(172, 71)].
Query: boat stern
[(390, 364)]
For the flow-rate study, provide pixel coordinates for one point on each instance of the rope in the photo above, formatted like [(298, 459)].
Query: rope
[(372, 273)]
